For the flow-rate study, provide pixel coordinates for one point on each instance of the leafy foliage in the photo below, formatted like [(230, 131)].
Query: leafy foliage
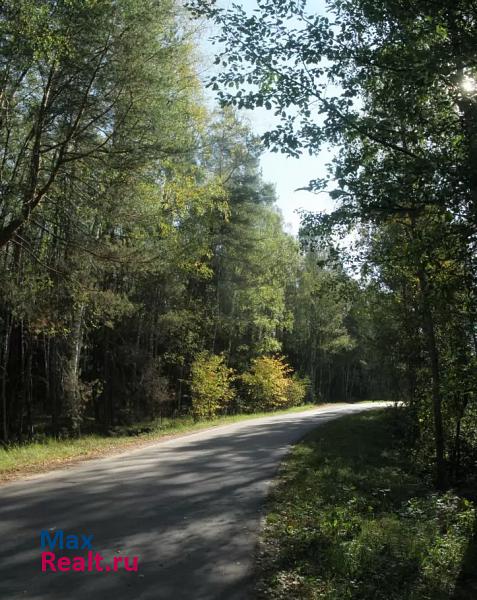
[(211, 386), (268, 385)]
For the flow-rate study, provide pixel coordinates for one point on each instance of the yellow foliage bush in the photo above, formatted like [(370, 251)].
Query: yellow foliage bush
[(268, 385), (211, 385)]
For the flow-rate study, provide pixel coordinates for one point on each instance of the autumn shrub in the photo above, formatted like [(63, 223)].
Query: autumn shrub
[(297, 390), (268, 385), (211, 385)]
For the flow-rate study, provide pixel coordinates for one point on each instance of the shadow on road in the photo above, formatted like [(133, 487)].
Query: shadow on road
[(189, 508)]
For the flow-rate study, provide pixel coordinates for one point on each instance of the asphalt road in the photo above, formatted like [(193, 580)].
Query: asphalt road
[(188, 507)]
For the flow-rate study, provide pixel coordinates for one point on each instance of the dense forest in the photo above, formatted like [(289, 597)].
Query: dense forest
[(145, 266)]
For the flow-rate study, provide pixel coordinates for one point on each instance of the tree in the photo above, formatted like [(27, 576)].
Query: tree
[(254, 260)]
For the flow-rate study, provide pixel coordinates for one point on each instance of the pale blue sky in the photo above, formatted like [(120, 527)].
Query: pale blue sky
[(287, 174)]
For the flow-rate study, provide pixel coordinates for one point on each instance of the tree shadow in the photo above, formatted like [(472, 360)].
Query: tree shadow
[(189, 508)]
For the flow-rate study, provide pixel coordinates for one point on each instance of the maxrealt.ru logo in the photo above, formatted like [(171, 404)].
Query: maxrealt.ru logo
[(93, 561)]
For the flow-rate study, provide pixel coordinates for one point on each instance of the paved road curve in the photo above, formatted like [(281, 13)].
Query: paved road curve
[(189, 508)]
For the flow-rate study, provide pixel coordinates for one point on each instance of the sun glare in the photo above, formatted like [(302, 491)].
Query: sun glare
[(469, 85)]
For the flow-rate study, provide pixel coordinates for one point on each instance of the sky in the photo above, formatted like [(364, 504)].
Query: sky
[(286, 173)]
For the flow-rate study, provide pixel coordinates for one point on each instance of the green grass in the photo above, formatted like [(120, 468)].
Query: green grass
[(41, 456), (350, 519)]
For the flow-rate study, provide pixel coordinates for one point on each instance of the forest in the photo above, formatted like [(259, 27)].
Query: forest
[(146, 271)]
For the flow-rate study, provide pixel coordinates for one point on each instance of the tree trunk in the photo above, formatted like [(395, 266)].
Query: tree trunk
[(5, 357), (430, 337), (70, 373)]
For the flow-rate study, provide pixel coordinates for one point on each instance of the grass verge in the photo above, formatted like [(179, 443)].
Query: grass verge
[(350, 519), (26, 459)]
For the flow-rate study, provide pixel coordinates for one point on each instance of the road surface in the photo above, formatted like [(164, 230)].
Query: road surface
[(188, 507)]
